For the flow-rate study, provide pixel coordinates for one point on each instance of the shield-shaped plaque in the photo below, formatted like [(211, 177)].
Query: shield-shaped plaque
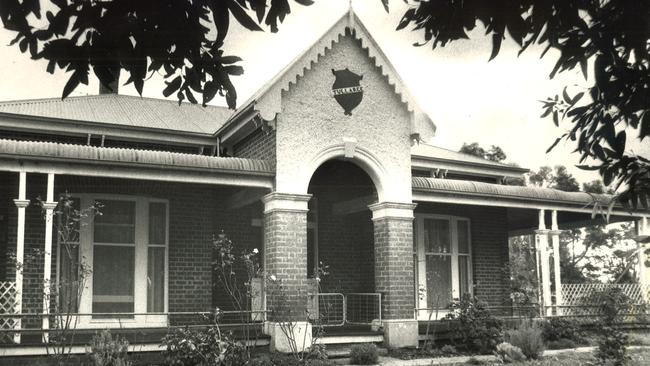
[(346, 89)]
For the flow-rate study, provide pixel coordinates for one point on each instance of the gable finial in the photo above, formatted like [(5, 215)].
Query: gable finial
[(350, 13)]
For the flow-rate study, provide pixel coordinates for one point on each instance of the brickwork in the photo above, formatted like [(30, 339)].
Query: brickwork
[(196, 213), (286, 260), (258, 145), (394, 273), (346, 246), (489, 235)]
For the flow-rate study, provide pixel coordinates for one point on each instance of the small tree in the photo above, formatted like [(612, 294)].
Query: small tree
[(65, 295), (240, 290)]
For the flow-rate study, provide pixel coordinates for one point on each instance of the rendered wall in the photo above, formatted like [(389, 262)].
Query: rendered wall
[(312, 124)]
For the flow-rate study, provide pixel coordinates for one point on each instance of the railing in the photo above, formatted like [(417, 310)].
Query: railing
[(337, 309), (238, 321)]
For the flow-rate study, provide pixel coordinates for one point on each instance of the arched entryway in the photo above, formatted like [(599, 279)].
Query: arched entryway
[(340, 228)]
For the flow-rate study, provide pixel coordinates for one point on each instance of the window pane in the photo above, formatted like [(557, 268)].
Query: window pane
[(69, 277), (436, 236), (463, 237), (439, 290), (116, 223), (113, 275), (157, 222), (463, 274), (156, 280)]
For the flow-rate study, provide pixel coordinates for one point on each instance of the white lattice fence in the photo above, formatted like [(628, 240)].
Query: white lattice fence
[(577, 299), (7, 306)]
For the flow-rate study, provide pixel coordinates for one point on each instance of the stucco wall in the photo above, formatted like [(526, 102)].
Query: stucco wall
[(312, 126)]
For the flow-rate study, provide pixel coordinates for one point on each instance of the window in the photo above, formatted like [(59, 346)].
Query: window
[(443, 256), (126, 248)]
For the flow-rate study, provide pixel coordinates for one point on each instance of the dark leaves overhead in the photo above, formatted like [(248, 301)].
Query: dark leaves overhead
[(613, 34), (181, 39)]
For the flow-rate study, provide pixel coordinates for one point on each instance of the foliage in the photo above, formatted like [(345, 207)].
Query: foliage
[(506, 352), (555, 329), (613, 304), (227, 265), (65, 294), (279, 359), (476, 328), (611, 347), (529, 339), (202, 347), (183, 40), (495, 153), (364, 354), (557, 178), (563, 343), (613, 33), (108, 351), (523, 281)]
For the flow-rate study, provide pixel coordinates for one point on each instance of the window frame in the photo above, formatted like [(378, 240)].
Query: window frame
[(86, 250), (421, 254)]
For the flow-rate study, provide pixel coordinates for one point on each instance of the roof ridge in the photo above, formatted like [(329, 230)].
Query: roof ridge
[(100, 96)]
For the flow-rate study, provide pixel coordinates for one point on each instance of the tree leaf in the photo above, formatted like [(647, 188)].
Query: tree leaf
[(242, 17), (172, 86), (70, 86)]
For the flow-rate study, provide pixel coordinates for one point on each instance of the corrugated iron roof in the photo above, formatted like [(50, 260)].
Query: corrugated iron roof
[(80, 153), (124, 111), (427, 151), (451, 186)]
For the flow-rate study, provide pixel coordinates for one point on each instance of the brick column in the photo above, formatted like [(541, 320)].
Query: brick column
[(394, 272), (285, 264)]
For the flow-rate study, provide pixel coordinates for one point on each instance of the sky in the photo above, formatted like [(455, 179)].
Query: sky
[(468, 98)]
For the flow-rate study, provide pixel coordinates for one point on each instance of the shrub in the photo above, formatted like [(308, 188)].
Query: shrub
[(614, 303), (506, 352), (478, 330), (562, 343), (108, 351), (364, 354), (448, 350), (555, 329), (528, 339), (202, 347), (611, 347), (475, 361)]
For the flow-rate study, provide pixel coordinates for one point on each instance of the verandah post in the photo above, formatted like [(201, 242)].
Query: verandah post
[(541, 241), (641, 227), (49, 206), (21, 203), (555, 238)]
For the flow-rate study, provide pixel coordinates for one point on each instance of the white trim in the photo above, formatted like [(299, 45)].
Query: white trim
[(453, 254), (141, 249)]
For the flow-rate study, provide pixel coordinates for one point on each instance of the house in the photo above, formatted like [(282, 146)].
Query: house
[(322, 164)]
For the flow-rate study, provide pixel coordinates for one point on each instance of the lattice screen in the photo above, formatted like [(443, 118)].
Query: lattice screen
[(7, 306), (577, 301)]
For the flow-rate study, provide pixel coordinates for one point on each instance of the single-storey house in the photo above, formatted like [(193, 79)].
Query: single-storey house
[(325, 163)]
